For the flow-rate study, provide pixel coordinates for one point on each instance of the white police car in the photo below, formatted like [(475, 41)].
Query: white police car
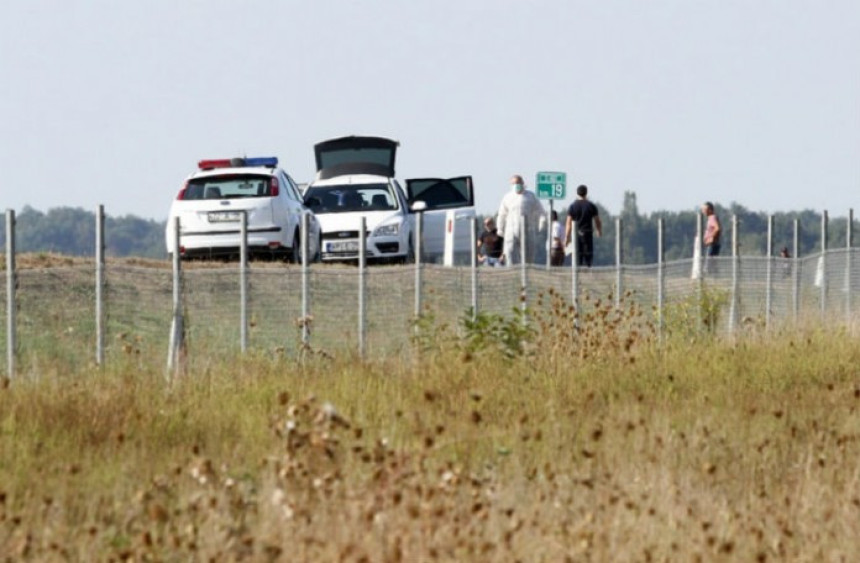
[(355, 178), (211, 203)]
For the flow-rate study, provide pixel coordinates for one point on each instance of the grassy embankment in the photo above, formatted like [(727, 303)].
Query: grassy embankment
[(538, 444)]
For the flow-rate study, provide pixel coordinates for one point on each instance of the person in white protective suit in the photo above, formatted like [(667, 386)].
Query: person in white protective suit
[(520, 204)]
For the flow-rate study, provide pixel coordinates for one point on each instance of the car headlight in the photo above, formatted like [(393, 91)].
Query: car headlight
[(387, 230)]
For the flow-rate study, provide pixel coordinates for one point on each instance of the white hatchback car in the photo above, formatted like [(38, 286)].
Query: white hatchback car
[(211, 203), (355, 178)]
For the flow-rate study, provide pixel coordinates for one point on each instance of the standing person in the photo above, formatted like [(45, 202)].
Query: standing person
[(556, 256), (713, 230), (490, 244), (587, 223), (517, 204)]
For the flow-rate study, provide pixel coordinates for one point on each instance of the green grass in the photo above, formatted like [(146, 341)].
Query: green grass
[(493, 441)]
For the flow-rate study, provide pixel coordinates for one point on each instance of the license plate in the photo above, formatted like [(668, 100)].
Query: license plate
[(342, 246), (224, 216)]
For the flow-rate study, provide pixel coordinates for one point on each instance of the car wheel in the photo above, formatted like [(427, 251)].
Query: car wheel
[(410, 253), (296, 254)]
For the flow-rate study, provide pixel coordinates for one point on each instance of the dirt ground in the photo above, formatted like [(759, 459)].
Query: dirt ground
[(41, 260), (37, 260)]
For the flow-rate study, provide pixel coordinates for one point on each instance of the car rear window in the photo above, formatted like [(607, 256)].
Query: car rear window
[(228, 187)]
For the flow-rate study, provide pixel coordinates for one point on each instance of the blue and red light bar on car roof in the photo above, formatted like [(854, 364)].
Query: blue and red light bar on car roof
[(267, 161)]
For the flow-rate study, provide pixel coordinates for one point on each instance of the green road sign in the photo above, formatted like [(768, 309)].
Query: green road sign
[(551, 185)]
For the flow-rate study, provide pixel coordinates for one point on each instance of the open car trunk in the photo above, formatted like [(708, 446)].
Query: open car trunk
[(355, 155)]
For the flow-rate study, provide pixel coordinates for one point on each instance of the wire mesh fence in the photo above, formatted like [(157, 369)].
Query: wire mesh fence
[(55, 320)]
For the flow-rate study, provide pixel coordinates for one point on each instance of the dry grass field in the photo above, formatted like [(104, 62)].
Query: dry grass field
[(563, 439)]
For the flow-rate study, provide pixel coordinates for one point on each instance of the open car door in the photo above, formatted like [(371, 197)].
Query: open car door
[(439, 193), (355, 155), (448, 204)]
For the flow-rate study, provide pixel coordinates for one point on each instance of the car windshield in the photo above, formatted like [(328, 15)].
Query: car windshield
[(228, 187), (350, 197)]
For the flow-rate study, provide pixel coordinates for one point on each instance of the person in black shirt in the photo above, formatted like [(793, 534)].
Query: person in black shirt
[(587, 223), (490, 244)]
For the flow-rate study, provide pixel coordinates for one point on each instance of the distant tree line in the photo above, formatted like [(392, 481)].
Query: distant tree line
[(71, 231), (679, 230)]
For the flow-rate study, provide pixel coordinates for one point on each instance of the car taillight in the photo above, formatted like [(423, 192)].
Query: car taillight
[(273, 186), (181, 194)]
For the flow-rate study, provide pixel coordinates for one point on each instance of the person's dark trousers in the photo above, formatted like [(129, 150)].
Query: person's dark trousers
[(711, 250), (585, 248)]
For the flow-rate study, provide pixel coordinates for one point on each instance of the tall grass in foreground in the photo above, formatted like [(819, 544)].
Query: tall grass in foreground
[(560, 438)]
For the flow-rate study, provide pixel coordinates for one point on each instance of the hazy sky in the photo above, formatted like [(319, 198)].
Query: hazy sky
[(751, 101)]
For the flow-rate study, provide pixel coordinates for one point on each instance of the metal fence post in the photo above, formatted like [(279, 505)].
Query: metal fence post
[(417, 235), (524, 279), (100, 284), (795, 272), (243, 281), (362, 284), (768, 300), (618, 281), (473, 227), (698, 255), (306, 259), (11, 288), (549, 238), (849, 237), (177, 328), (823, 264), (733, 311), (661, 279), (574, 269)]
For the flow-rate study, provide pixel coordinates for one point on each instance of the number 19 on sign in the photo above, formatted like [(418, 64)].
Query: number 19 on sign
[(551, 185)]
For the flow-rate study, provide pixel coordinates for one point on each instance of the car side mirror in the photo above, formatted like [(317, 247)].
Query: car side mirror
[(418, 206)]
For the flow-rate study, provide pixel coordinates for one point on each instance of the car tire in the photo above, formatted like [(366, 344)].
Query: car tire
[(296, 252), (410, 253)]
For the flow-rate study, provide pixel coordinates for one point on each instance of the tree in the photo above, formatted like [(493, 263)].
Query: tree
[(71, 231)]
